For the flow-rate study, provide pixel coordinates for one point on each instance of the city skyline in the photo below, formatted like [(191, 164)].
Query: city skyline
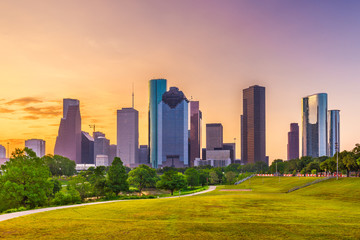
[(45, 59)]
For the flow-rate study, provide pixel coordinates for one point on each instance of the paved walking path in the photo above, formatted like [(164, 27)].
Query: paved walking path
[(23, 213)]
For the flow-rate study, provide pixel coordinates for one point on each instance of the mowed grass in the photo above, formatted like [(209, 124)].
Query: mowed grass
[(326, 210)]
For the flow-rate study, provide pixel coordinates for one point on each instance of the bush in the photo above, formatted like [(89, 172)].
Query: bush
[(66, 198)]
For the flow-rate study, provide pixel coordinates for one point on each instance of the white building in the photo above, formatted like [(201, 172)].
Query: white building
[(2, 151), (37, 145), (102, 160), (128, 136)]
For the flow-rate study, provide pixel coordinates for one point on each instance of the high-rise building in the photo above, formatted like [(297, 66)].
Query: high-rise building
[(2, 151), (173, 131), (112, 153), (253, 141), (143, 154), (128, 136), (314, 125), (334, 132), (195, 131), (231, 147), (101, 145), (68, 141), (157, 87), (87, 148), (214, 136), (293, 142), (37, 145)]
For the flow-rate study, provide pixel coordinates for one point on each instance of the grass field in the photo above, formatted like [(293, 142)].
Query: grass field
[(326, 210)]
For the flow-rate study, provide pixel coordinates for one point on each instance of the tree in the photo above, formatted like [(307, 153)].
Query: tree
[(117, 177), (80, 184), (60, 165), (192, 177), (171, 180), (349, 161), (143, 176), (204, 177), (25, 181), (98, 180), (230, 177), (213, 177), (312, 166)]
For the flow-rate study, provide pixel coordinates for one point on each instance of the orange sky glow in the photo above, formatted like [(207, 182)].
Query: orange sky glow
[(211, 50)]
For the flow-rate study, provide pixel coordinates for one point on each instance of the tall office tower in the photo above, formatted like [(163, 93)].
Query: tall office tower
[(98, 134), (101, 145), (143, 154), (87, 148), (293, 142), (173, 134), (231, 147), (314, 125), (112, 153), (128, 136), (157, 87), (195, 131), (2, 151), (68, 141), (253, 142), (37, 145), (334, 132), (214, 136)]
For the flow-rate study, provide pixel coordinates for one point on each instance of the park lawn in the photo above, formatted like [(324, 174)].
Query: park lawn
[(260, 214)]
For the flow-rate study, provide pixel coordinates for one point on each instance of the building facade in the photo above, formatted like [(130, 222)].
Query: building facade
[(293, 142), (195, 131), (214, 136), (112, 153), (37, 145), (87, 148), (173, 131), (333, 132), (314, 125), (253, 139), (68, 141), (143, 154), (101, 146), (232, 148), (128, 135), (2, 151), (157, 87)]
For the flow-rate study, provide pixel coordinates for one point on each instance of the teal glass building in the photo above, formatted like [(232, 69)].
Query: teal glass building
[(157, 87)]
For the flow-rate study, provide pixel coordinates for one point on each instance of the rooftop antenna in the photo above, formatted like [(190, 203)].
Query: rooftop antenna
[(133, 95), (92, 127)]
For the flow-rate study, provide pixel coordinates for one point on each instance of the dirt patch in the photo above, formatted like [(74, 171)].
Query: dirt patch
[(236, 190)]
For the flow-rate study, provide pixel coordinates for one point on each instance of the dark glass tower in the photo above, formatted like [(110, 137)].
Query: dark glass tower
[(253, 125), (68, 141), (157, 87), (87, 148), (293, 142), (334, 132), (195, 131)]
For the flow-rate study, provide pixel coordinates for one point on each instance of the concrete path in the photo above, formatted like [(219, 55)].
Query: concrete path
[(23, 213)]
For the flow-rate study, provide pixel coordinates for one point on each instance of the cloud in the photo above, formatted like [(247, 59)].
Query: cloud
[(6, 110), (24, 101), (30, 117), (44, 112)]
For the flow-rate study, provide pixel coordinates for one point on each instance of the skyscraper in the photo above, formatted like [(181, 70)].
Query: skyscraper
[(128, 136), (2, 151), (293, 142), (314, 125), (157, 87), (173, 131), (87, 148), (195, 131), (214, 136), (37, 145), (253, 148), (101, 145), (68, 141), (334, 132)]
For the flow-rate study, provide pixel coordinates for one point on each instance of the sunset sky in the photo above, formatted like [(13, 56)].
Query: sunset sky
[(95, 50)]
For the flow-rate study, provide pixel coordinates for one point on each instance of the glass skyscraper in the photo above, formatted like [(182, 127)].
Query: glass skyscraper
[(334, 132), (314, 125), (157, 87), (253, 138), (173, 134)]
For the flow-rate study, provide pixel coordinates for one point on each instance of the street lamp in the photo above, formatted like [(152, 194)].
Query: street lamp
[(337, 161)]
